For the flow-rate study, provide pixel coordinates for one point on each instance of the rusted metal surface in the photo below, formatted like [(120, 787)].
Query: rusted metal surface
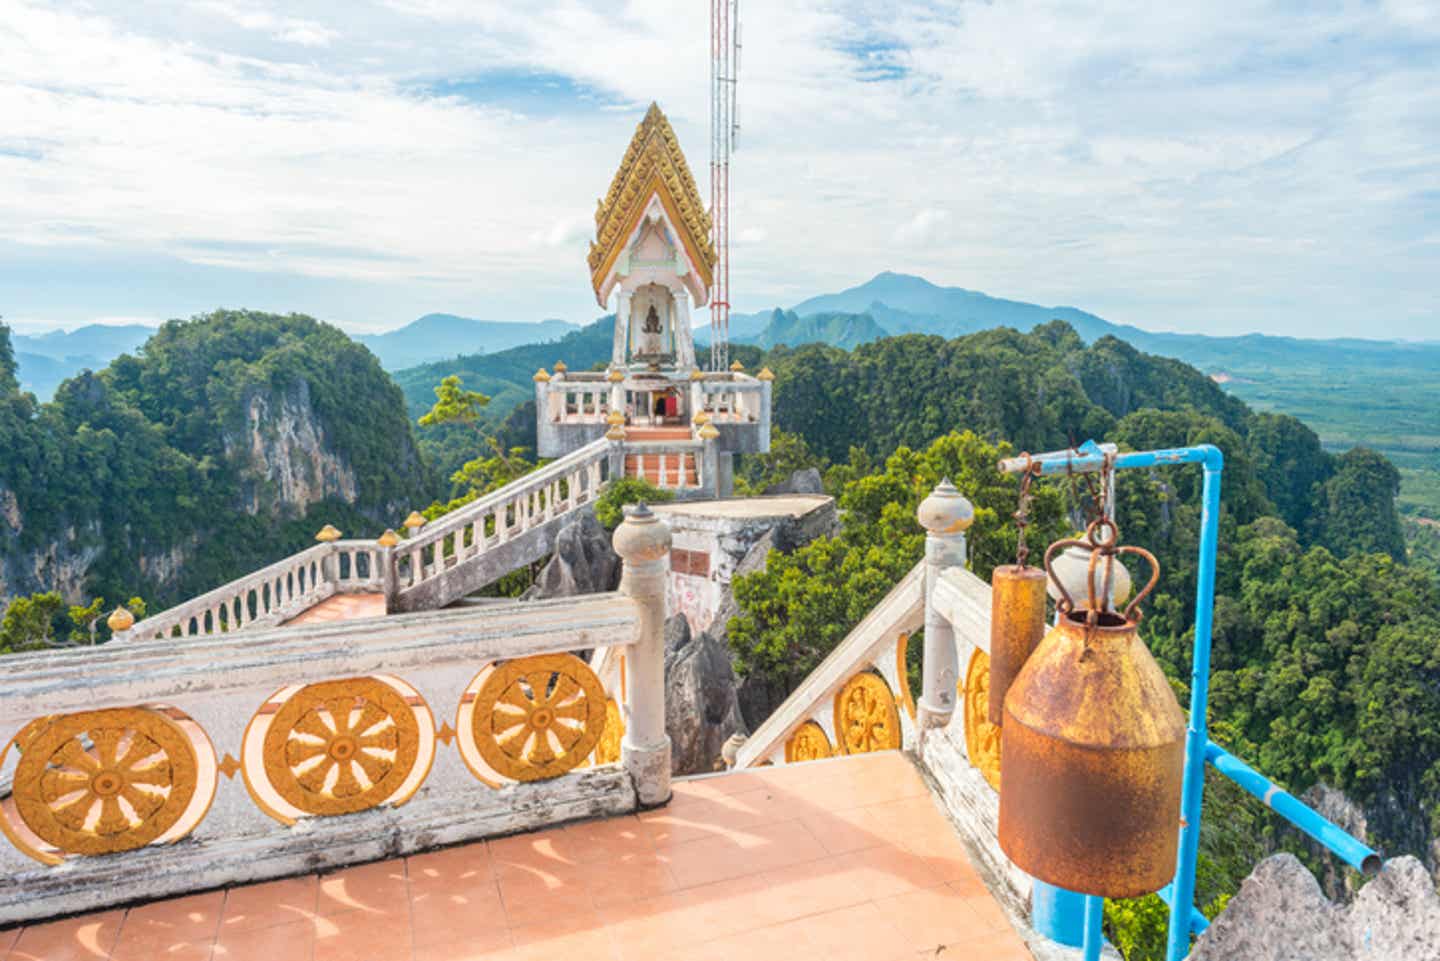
[(1017, 623), (1093, 751)]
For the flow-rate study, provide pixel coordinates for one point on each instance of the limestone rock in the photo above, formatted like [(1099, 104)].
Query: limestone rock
[(583, 562), (1397, 915), (806, 481), (283, 456), (1280, 914), (701, 709)]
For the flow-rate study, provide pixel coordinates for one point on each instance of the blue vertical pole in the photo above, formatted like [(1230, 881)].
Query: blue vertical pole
[(1057, 913), (1183, 892), (1094, 936)]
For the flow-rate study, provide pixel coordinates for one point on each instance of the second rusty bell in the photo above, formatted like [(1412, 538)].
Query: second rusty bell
[(1092, 754), (1017, 623)]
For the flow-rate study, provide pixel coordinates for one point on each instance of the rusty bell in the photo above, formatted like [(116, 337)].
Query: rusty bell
[(1092, 753)]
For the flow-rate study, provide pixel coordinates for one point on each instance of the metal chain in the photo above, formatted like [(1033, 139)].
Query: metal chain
[(1022, 511)]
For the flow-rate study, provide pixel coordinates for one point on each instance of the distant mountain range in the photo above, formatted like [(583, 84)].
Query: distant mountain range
[(892, 303), (44, 361), (436, 337), (888, 304)]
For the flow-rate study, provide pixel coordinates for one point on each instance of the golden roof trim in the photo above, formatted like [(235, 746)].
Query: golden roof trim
[(653, 163)]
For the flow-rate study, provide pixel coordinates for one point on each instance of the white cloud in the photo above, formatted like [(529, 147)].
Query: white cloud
[(1167, 165), (927, 228), (305, 33)]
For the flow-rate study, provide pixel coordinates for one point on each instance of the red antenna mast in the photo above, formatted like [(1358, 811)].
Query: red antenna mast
[(724, 125)]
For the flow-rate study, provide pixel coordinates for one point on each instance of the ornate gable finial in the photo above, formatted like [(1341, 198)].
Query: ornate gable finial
[(653, 163)]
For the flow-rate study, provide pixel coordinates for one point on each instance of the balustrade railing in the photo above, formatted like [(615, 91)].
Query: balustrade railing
[(571, 402), (503, 515), (149, 769), (738, 400), (272, 594)]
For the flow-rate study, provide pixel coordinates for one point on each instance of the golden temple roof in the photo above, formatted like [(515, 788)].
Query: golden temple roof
[(653, 164)]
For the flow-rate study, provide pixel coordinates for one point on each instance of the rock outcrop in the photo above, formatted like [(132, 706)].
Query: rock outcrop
[(284, 460), (701, 709), (1280, 914), (59, 565), (804, 481), (583, 562)]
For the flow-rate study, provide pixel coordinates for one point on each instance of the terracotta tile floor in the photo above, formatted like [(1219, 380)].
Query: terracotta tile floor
[(845, 860), (342, 607)]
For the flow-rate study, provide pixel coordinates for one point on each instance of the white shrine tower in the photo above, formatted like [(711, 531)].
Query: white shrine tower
[(652, 261)]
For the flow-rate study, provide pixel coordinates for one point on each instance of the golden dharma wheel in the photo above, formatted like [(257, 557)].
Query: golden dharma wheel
[(341, 746), (865, 716), (539, 717), (100, 782), (982, 738), (607, 751)]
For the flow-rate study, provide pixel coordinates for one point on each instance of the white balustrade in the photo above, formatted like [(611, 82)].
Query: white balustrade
[(500, 516), (270, 595), (214, 709)]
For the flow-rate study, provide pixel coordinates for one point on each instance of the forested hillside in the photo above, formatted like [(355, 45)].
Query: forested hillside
[(506, 377), (222, 444)]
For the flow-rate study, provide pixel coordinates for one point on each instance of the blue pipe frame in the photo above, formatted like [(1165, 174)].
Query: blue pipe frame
[(1179, 894)]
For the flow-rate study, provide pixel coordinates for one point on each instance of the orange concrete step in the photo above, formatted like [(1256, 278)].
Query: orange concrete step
[(657, 433), (648, 466)]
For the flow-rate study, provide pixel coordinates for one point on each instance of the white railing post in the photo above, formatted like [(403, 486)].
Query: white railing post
[(945, 515), (643, 543)]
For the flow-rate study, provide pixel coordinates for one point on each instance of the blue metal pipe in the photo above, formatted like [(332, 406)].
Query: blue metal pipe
[(1089, 459), (1292, 809), (1198, 921), (1094, 935), (1057, 913), (1193, 788)]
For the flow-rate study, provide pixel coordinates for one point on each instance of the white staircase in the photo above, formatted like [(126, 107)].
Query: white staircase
[(447, 559)]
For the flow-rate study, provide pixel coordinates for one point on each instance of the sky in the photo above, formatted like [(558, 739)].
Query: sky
[(1214, 167)]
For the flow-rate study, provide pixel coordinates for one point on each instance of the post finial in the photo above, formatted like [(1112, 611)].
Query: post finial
[(615, 376), (388, 539), (415, 521), (560, 367), (641, 536), (946, 510), (120, 620), (541, 376), (765, 374), (709, 431), (328, 534)]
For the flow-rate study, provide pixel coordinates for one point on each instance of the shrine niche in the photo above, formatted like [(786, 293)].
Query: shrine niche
[(652, 325), (865, 716)]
